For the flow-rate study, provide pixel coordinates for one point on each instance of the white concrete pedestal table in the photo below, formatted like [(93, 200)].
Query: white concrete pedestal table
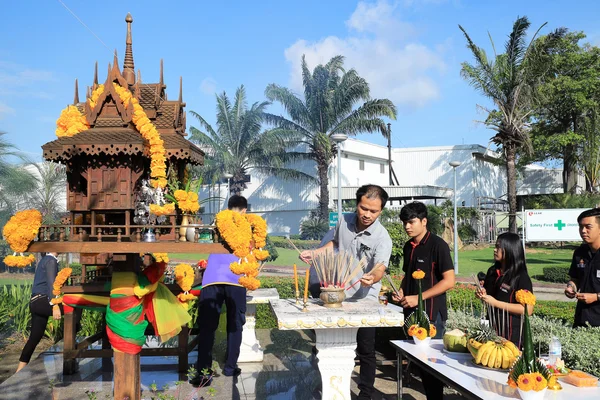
[(336, 334), (250, 350)]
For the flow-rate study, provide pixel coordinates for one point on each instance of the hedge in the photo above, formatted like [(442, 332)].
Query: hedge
[(556, 274)]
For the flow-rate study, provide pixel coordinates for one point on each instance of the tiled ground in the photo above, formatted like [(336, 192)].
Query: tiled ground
[(287, 372)]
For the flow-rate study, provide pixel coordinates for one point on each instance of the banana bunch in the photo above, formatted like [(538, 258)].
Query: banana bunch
[(493, 353)]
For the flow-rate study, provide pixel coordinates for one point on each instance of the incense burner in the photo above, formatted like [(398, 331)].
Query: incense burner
[(332, 297)]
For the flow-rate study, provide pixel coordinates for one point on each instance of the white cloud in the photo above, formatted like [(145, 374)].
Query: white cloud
[(208, 86), (14, 75), (378, 46), (5, 110)]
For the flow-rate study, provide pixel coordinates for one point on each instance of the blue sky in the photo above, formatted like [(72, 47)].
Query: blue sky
[(409, 51)]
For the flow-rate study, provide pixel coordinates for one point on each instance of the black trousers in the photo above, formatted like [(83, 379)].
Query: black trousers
[(41, 310), (365, 349), (211, 302), (434, 388)]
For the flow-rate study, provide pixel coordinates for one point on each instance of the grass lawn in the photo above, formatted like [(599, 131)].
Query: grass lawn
[(469, 261)]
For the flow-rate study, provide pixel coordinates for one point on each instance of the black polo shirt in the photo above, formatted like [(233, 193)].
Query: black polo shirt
[(501, 287), (432, 256), (585, 268)]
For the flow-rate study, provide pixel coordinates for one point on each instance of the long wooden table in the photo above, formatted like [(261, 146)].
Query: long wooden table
[(472, 381)]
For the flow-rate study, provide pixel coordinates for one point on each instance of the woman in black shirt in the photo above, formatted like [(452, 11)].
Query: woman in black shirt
[(40, 306), (502, 281)]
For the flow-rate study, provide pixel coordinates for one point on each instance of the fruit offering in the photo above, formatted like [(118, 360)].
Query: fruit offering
[(455, 341), (558, 369), (499, 353), (580, 378)]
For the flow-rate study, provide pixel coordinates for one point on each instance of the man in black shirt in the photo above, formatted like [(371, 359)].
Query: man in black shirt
[(429, 253), (585, 271)]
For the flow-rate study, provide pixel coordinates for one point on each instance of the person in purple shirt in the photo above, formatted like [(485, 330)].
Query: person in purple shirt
[(220, 285)]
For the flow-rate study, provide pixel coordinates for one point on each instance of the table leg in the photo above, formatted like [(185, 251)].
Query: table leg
[(399, 372), (250, 350), (336, 361)]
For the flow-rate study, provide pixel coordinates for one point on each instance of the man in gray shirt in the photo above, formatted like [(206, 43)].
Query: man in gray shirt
[(362, 235)]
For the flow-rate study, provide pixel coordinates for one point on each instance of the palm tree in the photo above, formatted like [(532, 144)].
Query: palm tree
[(15, 181), (48, 198), (239, 145), (331, 95), (509, 80)]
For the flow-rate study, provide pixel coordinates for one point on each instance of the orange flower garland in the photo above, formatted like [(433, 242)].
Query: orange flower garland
[(167, 209), (95, 95), (418, 274), (19, 261), (187, 201), (60, 280), (259, 230), (184, 275), (148, 131), (235, 230), (71, 122), (20, 230), (524, 296)]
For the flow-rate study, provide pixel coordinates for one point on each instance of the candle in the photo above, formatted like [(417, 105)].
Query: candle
[(306, 285), (296, 280)]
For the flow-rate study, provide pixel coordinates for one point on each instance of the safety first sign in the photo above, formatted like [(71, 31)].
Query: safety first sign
[(552, 225)]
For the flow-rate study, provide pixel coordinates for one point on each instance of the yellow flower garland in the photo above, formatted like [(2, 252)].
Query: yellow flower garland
[(259, 230), (184, 275), (95, 95), (187, 201), (235, 230), (158, 168), (161, 257), (71, 122), (60, 280), (19, 261), (167, 209), (20, 230)]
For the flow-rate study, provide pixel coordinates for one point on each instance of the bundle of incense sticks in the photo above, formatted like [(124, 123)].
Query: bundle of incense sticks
[(336, 269)]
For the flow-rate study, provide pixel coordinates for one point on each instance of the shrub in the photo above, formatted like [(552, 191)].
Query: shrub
[(280, 241), (313, 229), (15, 300), (270, 247), (91, 322), (563, 311), (467, 233), (556, 274), (462, 298), (399, 237)]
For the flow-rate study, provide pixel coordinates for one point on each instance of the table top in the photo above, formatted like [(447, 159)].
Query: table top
[(353, 314), (482, 382), (261, 296)]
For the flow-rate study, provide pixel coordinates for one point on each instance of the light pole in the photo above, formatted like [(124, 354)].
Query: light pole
[(454, 165), (338, 138), (227, 176)]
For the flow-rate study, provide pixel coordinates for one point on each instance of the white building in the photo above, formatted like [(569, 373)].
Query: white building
[(423, 173)]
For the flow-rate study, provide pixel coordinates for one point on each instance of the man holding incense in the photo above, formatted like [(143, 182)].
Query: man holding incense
[(362, 235)]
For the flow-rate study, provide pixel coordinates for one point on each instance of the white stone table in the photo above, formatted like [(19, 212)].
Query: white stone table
[(336, 334), (250, 350)]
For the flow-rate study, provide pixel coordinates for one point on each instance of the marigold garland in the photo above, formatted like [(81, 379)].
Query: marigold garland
[(249, 283), (524, 296), (184, 276), (148, 131), (259, 230), (21, 229), (19, 261), (60, 280), (93, 100), (235, 230), (418, 274), (166, 209), (161, 257), (71, 122)]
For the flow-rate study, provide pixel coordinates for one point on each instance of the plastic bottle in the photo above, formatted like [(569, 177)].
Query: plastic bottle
[(555, 351)]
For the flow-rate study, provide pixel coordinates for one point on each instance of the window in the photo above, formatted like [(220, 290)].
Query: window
[(382, 168), (361, 165)]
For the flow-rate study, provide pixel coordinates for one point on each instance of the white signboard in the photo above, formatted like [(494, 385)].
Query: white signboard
[(552, 225)]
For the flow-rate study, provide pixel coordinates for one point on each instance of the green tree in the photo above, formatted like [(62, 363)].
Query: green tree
[(335, 101), (567, 96), (239, 144), (48, 197), (509, 80), (15, 181)]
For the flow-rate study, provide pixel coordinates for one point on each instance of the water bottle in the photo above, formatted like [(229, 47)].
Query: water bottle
[(555, 352)]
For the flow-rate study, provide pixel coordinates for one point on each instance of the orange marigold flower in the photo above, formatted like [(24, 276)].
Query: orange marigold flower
[(525, 382), (249, 283), (524, 296), (420, 333), (432, 330), (180, 195), (539, 382), (412, 329), (418, 274)]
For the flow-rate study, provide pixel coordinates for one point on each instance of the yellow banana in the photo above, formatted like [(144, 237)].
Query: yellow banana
[(514, 350), (506, 357), (480, 352), (477, 344), (492, 360), (499, 357), (485, 358)]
